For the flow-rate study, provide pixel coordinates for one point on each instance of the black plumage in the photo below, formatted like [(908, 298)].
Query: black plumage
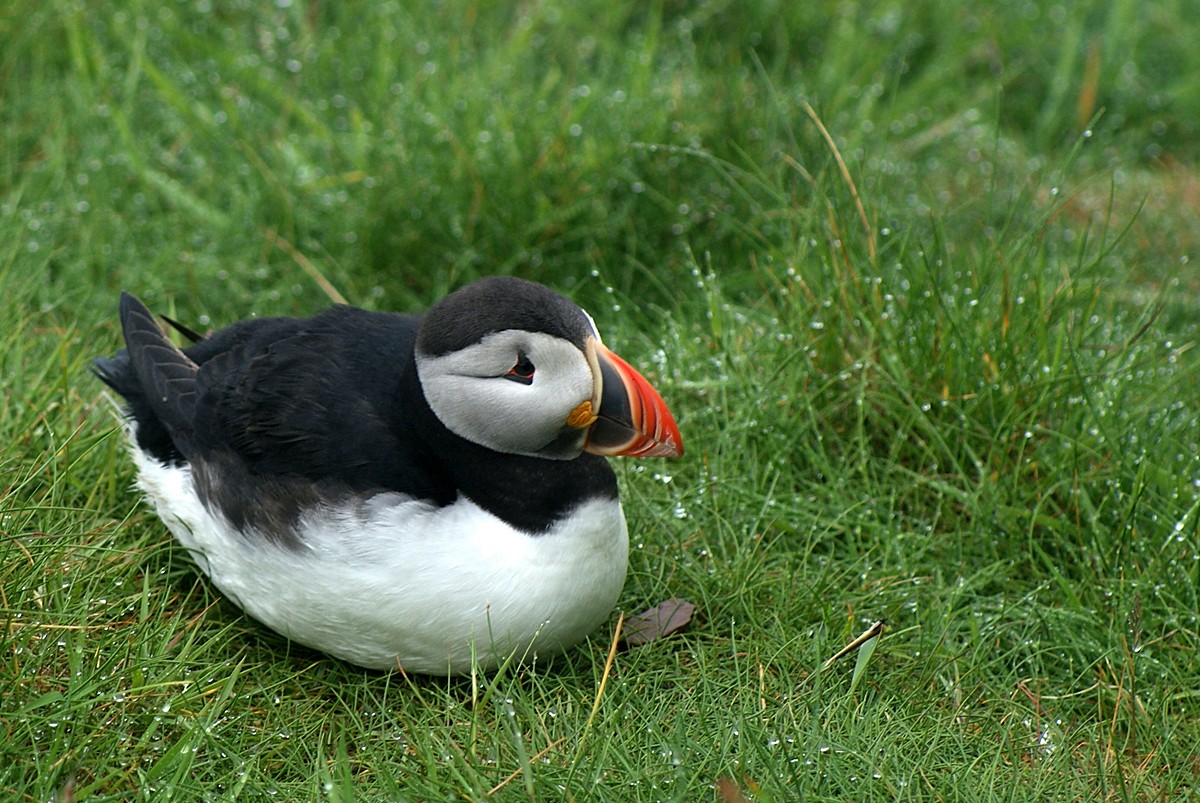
[(276, 415)]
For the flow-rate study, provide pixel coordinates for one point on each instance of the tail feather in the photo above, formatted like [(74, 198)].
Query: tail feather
[(166, 375), (115, 371), (187, 331)]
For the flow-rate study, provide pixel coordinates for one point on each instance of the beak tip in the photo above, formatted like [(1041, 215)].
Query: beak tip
[(669, 450), (670, 446), (641, 425)]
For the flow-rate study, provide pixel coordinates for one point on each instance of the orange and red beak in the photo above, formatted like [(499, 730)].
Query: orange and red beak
[(631, 418)]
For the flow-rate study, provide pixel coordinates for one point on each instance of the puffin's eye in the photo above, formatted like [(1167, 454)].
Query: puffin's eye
[(521, 372)]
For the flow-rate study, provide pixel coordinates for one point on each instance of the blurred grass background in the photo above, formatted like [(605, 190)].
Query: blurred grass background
[(917, 279)]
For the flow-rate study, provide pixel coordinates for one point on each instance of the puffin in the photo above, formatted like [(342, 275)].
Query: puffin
[(428, 493)]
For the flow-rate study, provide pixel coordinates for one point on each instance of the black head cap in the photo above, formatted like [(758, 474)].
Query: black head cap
[(495, 304)]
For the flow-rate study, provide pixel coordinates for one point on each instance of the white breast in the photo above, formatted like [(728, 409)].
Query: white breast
[(396, 582)]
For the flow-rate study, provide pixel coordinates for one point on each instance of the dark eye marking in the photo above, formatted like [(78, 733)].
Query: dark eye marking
[(521, 372)]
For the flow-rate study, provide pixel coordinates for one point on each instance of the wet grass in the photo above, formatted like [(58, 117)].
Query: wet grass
[(916, 279)]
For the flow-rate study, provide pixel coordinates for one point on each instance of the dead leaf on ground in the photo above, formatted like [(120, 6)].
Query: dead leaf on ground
[(658, 622), (67, 793), (728, 791)]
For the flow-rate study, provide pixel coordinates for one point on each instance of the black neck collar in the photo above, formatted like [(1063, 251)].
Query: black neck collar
[(528, 493)]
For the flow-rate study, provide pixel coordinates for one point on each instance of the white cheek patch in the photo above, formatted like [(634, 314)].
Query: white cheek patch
[(467, 391)]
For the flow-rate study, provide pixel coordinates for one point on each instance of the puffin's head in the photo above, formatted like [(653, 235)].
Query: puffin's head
[(513, 366)]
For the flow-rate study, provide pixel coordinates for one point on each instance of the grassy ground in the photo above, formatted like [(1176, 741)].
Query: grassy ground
[(917, 279)]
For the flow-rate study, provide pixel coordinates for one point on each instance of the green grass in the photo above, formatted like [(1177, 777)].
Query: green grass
[(951, 384)]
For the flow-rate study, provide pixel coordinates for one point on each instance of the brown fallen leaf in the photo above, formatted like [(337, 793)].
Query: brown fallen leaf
[(658, 622), (728, 791), (67, 793)]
